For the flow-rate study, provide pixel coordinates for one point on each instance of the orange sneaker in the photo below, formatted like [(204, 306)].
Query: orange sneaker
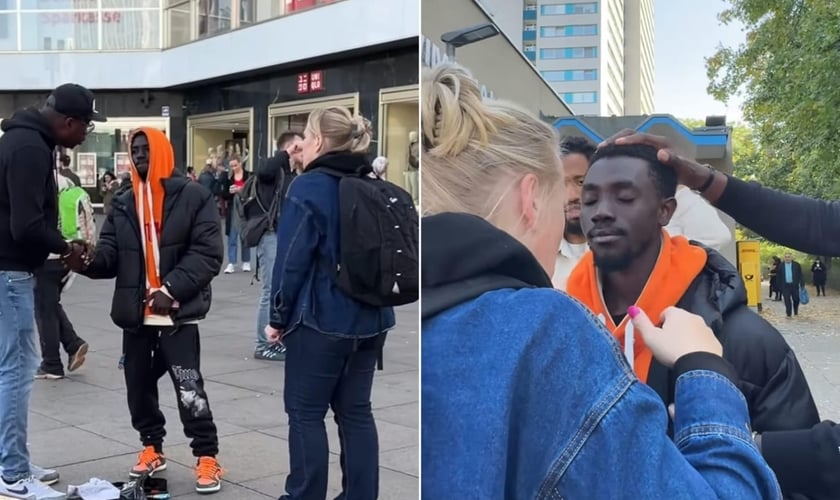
[(208, 474), (148, 462)]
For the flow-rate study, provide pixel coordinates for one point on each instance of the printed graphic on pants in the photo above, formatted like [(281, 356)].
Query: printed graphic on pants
[(191, 395)]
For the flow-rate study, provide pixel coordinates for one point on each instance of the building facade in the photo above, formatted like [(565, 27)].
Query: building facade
[(497, 62), (598, 55), (216, 75)]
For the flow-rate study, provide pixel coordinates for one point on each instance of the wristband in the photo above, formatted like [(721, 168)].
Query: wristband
[(709, 180)]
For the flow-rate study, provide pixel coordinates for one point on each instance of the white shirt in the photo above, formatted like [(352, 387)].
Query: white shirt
[(697, 220), (568, 257)]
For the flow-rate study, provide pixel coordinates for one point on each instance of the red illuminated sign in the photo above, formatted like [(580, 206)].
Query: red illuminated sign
[(316, 81), (303, 83)]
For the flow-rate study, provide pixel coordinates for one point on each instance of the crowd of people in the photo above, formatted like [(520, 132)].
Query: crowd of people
[(632, 349), (162, 243)]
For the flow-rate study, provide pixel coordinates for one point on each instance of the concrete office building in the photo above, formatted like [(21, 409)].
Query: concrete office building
[(598, 55), (497, 62), (226, 75)]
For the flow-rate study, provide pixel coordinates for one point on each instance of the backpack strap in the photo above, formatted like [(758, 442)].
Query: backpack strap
[(442, 298)]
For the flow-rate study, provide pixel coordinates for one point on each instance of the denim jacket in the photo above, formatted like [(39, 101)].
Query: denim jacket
[(304, 291), (526, 395)]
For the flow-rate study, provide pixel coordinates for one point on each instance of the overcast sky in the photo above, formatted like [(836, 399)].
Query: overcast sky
[(680, 57)]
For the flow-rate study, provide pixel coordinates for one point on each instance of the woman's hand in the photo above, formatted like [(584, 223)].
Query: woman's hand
[(681, 333), (273, 335)]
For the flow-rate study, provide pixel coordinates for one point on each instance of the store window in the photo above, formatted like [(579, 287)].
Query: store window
[(214, 16), (59, 30), (131, 30), (179, 23), (292, 116), (8, 31), (215, 137), (399, 140)]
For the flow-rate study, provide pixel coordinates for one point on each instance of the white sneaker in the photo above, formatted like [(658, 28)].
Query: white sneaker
[(29, 489), (230, 269), (46, 476), (246, 267)]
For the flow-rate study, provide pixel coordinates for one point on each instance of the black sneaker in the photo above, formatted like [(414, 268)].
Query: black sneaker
[(42, 374), (271, 353), (77, 359)]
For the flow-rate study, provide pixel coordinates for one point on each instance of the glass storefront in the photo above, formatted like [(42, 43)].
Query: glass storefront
[(399, 116), (59, 25), (218, 136), (293, 115), (188, 20), (106, 150), (66, 25)]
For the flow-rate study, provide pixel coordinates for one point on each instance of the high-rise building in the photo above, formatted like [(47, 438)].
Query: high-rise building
[(598, 55)]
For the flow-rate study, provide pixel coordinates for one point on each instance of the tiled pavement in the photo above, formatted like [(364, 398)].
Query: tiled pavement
[(80, 425)]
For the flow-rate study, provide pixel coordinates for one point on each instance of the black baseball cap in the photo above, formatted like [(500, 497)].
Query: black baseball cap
[(75, 101)]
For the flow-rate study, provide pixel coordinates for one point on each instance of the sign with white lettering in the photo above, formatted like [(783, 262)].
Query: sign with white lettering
[(431, 55)]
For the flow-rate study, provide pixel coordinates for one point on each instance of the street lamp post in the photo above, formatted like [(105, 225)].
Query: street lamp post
[(465, 36)]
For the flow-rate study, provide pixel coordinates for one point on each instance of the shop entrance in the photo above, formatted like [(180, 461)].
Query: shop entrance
[(399, 118), (216, 137), (293, 115)]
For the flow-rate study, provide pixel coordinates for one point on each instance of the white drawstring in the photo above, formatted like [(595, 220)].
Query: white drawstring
[(146, 202)]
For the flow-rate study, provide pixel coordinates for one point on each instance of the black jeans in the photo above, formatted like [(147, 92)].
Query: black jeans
[(323, 371), (54, 328), (820, 289), (149, 353), (790, 293)]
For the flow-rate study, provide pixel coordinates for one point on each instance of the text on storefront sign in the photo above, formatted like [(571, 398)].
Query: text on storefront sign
[(310, 82)]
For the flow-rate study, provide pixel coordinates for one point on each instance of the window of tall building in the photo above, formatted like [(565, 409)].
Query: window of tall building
[(581, 97), (560, 9), (214, 16), (571, 75), (8, 25), (569, 53), (571, 30)]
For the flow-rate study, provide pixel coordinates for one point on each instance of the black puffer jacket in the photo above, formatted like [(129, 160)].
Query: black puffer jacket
[(191, 252), (772, 381)]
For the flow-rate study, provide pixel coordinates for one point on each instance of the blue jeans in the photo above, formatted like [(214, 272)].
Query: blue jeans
[(266, 254), (325, 371), (233, 243), (18, 362)]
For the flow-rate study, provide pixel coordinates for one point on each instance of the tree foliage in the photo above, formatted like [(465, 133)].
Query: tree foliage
[(788, 72)]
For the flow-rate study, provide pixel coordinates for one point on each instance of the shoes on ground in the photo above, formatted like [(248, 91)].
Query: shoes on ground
[(28, 488), (230, 269), (42, 374), (77, 359), (208, 474), (271, 352), (46, 476), (149, 461)]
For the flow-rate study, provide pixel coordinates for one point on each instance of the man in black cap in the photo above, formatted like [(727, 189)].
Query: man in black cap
[(28, 234)]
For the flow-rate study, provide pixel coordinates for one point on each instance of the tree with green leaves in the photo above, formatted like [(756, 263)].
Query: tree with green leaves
[(788, 71)]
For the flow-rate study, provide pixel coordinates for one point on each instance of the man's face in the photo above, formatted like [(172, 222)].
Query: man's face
[(296, 155), (788, 257), (70, 132), (575, 166), (140, 154), (622, 212)]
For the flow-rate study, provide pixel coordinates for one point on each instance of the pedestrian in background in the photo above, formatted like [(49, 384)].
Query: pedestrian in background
[(820, 275)]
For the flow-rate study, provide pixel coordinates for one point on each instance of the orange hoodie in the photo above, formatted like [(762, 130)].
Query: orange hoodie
[(678, 265), (149, 197)]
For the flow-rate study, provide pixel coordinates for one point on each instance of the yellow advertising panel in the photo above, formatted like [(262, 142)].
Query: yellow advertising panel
[(749, 266)]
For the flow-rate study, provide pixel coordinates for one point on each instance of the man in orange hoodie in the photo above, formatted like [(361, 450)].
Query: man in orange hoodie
[(162, 242), (627, 200)]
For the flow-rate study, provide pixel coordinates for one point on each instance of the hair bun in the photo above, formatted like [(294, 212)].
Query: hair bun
[(454, 112)]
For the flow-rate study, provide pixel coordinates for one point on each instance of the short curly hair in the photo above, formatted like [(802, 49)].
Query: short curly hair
[(664, 178)]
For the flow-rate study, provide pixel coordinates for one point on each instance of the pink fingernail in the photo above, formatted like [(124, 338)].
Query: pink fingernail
[(633, 311)]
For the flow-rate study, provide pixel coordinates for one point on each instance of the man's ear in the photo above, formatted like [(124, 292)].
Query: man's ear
[(666, 211)]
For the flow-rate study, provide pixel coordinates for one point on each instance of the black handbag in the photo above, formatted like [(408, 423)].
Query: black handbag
[(255, 225)]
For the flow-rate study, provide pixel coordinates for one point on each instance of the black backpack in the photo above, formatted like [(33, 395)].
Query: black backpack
[(255, 218), (379, 242)]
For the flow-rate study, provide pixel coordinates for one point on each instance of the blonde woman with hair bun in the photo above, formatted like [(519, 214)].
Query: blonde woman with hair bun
[(332, 341), (525, 394)]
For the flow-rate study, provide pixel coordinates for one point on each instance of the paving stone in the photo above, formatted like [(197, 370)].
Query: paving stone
[(81, 424)]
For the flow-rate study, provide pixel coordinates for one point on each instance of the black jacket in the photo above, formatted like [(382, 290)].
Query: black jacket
[(267, 174), (796, 274), (771, 379), (28, 194), (806, 462), (191, 253)]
